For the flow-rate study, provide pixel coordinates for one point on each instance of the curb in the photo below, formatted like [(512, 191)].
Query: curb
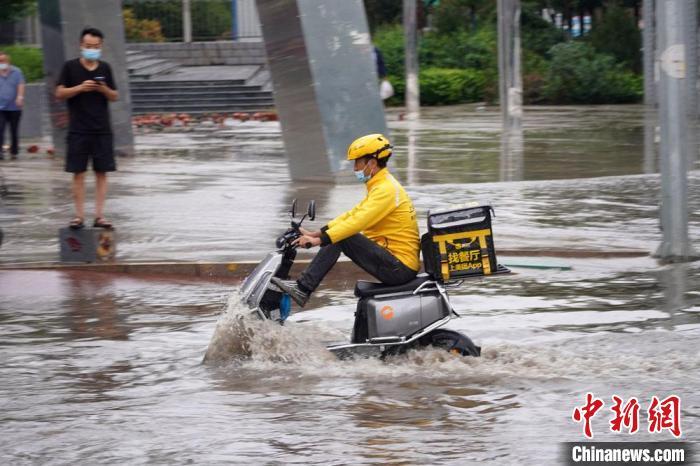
[(239, 270)]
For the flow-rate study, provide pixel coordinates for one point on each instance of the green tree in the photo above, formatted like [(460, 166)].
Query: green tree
[(579, 75), (16, 9), (617, 35), (382, 12)]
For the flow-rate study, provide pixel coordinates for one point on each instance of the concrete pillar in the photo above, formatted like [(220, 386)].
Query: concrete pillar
[(648, 49), (673, 116), (510, 79), (35, 109), (324, 75), (62, 21), (410, 27), (186, 21), (511, 163)]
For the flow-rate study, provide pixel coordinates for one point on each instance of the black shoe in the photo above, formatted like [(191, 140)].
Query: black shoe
[(292, 289)]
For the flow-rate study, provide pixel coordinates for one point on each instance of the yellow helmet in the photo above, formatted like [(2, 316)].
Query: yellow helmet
[(374, 145)]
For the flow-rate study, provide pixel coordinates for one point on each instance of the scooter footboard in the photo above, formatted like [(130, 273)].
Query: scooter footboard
[(399, 315)]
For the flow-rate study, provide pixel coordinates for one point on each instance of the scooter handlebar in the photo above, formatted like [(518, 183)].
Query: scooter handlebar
[(287, 238)]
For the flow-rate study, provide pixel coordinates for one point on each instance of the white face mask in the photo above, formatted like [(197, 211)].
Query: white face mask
[(4, 66)]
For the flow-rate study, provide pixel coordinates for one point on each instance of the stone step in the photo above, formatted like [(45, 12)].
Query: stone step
[(134, 61), (231, 90), (147, 62), (153, 69), (199, 95), (193, 108), (203, 103), (165, 84), (144, 66), (206, 104)]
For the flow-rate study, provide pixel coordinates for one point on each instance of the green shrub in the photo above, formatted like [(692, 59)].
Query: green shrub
[(471, 52), (440, 86), (28, 59), (579, 75), (443, 86), (534, 70)]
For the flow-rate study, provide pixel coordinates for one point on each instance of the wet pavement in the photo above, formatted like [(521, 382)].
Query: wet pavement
[(108, 367), (219, 194)]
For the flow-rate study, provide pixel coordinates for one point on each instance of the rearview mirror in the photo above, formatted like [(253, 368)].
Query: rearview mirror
[(293, 211), (311, 210)]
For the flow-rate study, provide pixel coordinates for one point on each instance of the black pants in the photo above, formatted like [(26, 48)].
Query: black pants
[(13, 118), (372, 258)]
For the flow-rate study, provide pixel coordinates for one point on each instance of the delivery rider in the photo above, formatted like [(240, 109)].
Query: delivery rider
[(380, 234)]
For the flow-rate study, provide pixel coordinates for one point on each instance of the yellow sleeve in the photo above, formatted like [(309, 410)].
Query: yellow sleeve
[(341, 217), (379, 202)]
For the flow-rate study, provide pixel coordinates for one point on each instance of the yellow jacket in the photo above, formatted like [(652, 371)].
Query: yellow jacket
[(386, 216)]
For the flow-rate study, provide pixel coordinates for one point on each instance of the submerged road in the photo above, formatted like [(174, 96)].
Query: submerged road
[(98, 367)]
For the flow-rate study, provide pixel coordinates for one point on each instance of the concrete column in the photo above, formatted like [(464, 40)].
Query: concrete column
[(691, 41), (35, 109), (511, 166), (324, 75), (509, 76), (673, 114), (186, 21), (649, 58), (62, 21), (410, 28)]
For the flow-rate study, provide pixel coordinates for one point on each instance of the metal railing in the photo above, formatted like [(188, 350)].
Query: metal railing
[(208, 20)]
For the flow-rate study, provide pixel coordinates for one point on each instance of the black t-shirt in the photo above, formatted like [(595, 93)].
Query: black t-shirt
[(89, 111)]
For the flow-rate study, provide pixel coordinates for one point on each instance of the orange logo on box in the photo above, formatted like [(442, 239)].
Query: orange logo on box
[(387, 312)]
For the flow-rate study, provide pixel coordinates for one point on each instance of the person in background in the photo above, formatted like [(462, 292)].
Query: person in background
[(86, 83), (386, 90), (11, 103)]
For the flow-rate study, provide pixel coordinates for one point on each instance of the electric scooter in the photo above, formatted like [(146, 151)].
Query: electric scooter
[(389, 320)]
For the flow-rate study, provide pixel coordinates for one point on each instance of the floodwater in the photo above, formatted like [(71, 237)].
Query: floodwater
[(212, 195), (106, 368)]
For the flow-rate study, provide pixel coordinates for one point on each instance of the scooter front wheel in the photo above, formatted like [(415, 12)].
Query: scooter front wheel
[(452, 341)]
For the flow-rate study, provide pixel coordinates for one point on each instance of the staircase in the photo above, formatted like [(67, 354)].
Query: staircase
[(143, 66), (162, 86)]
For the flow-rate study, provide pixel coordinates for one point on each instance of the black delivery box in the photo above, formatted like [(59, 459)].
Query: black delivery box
[(459, 243)]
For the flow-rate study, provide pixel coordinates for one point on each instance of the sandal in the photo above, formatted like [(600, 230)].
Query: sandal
[(100, 222), (76, 223)]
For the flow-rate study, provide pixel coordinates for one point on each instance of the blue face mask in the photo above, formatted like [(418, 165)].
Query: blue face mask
[(360, 175), (91, 54)]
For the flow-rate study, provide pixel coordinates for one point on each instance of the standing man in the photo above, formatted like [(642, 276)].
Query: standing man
[(87, 84), (11, 102)]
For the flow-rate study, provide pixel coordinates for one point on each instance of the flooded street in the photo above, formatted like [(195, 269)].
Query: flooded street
[(102, 368), (107, 368), (210, 194)]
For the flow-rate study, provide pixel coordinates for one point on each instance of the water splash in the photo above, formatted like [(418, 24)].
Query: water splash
[(240, 334)]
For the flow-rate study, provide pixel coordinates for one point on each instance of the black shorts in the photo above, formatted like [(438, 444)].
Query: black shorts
[(82, 146)]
